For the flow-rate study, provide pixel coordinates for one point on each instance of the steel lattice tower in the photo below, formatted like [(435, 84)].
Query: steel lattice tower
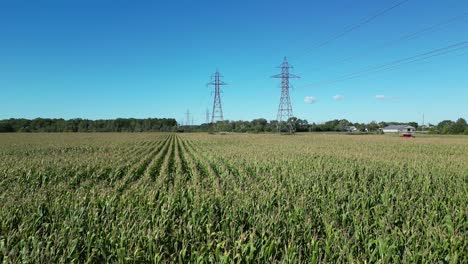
[(207, 115), (285, 108), (187, 116), (217, 113)]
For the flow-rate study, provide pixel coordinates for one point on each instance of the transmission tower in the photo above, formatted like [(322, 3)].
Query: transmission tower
[(217, 113), (285, 108), (207, 116), (187, 116), (422, 127)]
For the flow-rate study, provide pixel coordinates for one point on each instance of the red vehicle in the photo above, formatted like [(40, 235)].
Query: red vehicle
[(407, 135)]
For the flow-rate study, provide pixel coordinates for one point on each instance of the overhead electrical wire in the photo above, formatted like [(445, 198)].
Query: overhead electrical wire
[(394, 64), (354, 27), (405, 37), (409, 62), (427, 57), (432, 27)]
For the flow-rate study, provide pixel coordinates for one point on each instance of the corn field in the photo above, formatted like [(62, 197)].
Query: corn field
[(165, 198)]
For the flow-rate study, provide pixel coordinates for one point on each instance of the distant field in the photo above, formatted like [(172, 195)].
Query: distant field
[(232, 198)]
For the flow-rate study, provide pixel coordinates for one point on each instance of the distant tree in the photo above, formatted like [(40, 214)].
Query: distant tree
[(413, 124), (360, 126), (259, 125), (382, 124), (6, 127), (302, 125), (459, 126), (314, 127), (445, 126), (271, 126), (342, 124), (85, 125), (373, 126)]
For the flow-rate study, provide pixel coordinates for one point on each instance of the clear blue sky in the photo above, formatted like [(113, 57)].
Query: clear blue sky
[(121, 58)]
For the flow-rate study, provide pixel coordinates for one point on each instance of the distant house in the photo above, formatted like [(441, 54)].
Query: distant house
[(398, 129), (351, 129)]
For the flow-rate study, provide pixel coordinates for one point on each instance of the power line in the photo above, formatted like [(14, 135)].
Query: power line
[(405, 37), (427, 29), (356, 26), (425, 58), (396, 63)]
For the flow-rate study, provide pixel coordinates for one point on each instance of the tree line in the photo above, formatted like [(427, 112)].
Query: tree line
[(451, 127), (86, 125), (299, 125), (259, 125)]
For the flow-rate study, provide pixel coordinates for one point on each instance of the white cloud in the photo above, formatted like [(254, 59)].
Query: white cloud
[(384, 97), (310, 99), (338, 97)]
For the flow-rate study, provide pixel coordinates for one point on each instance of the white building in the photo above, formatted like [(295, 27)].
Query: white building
[(351, 129), (398, 129)]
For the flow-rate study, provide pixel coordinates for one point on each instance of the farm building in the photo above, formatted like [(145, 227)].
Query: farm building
[(398, 129), (351, 129)]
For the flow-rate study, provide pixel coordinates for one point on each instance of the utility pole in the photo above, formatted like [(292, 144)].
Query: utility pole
[(187, 116), (422, 127), (217, 113), (207, 120), (285, 108)]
